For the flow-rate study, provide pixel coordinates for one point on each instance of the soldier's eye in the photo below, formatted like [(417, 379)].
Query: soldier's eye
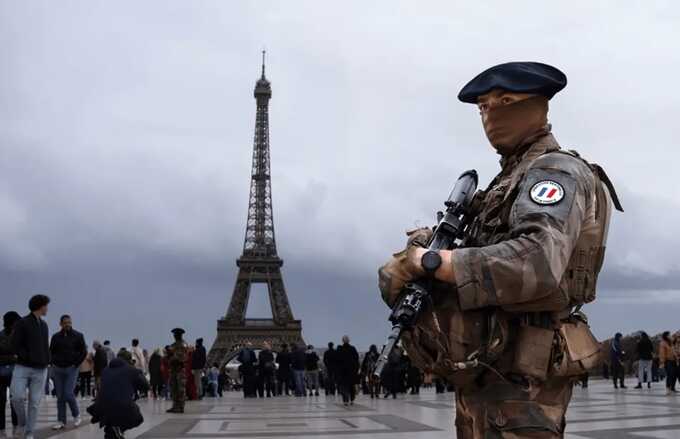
[(506, 100)]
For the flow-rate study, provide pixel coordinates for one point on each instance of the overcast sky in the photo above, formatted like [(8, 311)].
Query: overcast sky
[(126, 138)]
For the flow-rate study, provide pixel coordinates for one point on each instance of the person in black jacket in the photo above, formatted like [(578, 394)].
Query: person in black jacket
[(199, 360), (368, 369), (155, 374), (348, 370), (330, 367), (115, 409), (30, 341), (7, 361), (283, 374), (391, 374), (266, 368), (67, 350), (297, 364), (101, 360), (645, 350), (248, 361), (312, 370)]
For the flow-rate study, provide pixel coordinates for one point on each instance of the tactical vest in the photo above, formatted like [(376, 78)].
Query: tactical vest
[(524, 339)]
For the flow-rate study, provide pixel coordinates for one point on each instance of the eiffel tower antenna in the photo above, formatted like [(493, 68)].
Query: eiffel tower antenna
[(259, 262), (264, 52)]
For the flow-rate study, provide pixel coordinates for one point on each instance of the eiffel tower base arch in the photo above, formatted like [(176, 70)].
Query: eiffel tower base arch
[(234, 331)]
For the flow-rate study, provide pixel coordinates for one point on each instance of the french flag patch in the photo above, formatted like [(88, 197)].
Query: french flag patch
[(547, 192)]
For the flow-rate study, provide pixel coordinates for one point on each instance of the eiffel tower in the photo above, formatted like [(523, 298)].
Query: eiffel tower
[(259, 262)]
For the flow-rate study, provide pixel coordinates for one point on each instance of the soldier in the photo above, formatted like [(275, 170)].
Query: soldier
[(177, 358), (505, 326)]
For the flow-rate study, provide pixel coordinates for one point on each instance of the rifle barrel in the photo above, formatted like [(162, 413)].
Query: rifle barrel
[(392, 340)]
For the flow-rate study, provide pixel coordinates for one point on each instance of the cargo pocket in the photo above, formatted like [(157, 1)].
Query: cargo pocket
[(579, 350), (533, 352)]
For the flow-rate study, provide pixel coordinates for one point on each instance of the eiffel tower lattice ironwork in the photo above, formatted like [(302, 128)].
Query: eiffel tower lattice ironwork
[(259, 262)]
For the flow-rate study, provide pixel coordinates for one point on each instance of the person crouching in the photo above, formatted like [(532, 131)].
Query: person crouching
[(115, 409)]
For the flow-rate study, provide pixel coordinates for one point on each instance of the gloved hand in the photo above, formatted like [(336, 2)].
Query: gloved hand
[(403, 267)]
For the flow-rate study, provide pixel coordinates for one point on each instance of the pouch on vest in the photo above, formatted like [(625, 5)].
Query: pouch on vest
[(578, 350), (534, 346), (448, 336)]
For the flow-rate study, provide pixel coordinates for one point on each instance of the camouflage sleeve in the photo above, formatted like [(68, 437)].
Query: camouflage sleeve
[(544, 225)]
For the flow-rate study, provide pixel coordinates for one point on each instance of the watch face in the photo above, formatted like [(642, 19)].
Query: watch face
[(431, 260)]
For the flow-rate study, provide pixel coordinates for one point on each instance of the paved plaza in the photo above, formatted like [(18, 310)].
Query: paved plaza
[(599, 412)]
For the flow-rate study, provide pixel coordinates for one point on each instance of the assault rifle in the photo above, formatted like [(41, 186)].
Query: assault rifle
[(450, 231)]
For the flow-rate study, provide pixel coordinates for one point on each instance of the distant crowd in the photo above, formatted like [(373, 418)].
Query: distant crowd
[(33, 364), (649, 364), (299, 370)]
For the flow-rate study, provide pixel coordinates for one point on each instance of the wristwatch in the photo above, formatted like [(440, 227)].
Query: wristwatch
[(431, 261)]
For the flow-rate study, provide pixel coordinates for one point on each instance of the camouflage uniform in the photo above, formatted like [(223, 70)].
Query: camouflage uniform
[(527, 264), (177, 360)]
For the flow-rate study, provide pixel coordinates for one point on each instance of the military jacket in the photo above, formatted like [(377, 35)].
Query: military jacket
[(539, 239), (535, 249), (178, 355)]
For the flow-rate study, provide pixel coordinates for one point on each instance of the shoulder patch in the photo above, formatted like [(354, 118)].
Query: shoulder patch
[(546, 192)]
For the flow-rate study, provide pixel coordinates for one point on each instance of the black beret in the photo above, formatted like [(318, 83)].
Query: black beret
[(519, 77), (178, 331)]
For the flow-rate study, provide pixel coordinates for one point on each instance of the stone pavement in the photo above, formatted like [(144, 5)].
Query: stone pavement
[(599, 412)]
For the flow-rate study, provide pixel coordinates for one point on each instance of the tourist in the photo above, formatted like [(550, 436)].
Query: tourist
[(138, 356), (101, 360), (68, 351), (367, 371), (110, 355), (30, 341), (266, 370), (199, 361), (8, 359), (676, 353), (85, 376), (155, 375), (655, 369), (312, 370), (248, 359), (213, 376), (414, 378), (165, 372), (190, 384), (297, 363), (222, 380), (439, 385), (645, 350), (391, 374), (668, 359), (330, 367), (348, 370), (617, 355), (115, 409), (283, 374)]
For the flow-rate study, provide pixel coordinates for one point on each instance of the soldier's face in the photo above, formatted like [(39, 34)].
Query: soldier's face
[(498, 97)]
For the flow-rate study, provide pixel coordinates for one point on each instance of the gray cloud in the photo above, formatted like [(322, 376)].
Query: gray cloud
[(126, 139)]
